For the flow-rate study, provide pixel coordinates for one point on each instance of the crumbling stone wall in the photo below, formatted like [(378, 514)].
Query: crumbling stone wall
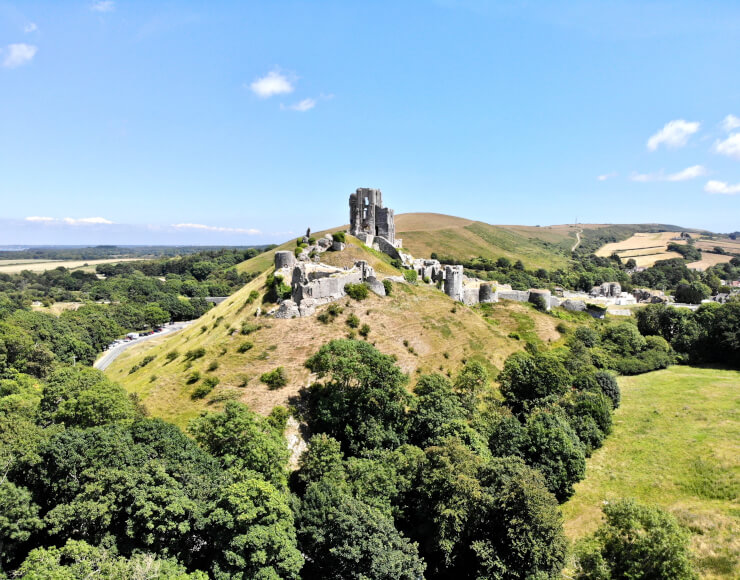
[(368, 217)]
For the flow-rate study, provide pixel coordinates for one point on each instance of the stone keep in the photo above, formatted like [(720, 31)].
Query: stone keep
[(368, 216), (453, 282)]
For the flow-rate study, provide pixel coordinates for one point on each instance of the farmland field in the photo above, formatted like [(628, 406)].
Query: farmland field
[(15, 266), (645, 248), (676, 443)]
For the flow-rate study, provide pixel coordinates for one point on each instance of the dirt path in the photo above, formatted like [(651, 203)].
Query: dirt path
[(578, 240)]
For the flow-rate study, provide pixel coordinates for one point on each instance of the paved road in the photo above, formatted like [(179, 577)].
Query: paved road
[(112, 353)]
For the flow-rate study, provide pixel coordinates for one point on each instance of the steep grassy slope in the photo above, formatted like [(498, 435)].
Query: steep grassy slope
[(538, 247), (676, 443), (419, 324)]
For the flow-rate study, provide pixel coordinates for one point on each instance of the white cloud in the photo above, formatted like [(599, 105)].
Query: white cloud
[(674, 134), (103, 6), (30, 27), (250, 231), (274, 83), (606, 176), (70, 221), (689, 173), (730, 146), (19, 54), (722, 187), (730, 122), (301, 106), (84, 221)]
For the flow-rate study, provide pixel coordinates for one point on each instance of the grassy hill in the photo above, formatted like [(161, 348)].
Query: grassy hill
[(675, 444), (419, 324), (538, 247)]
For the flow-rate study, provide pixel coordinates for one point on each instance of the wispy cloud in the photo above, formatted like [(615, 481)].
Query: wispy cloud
[(70, 221), (689, 173), (606, 176), (301, 106), (250, 231), (30, 27), (103, 6), (673, 134), (730, 122), (18, 54), (730, 146), (273, 83), (722, 187)]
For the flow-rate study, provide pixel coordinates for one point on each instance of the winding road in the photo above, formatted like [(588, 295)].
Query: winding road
[(114, 352)]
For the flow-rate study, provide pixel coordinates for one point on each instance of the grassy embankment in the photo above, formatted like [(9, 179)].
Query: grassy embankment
[(676, 443), (419, 324)]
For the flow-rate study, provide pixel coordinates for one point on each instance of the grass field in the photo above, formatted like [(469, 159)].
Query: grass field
[(676, 443), (419, 324), (16, 266)]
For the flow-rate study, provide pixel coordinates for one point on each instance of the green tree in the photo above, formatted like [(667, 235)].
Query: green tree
[(529, 380), (553, 447), (363, 399), (252, 525), (636, 541), (19, 518), (155, 315), (437, 412), (470, 384), (344, 537), (78, 560), (242, 439), (692, 293)]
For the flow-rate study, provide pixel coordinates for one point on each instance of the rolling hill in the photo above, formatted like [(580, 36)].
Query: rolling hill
[(420, 325)]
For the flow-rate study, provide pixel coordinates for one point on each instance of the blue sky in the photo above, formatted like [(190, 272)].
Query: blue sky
[(246, 122)]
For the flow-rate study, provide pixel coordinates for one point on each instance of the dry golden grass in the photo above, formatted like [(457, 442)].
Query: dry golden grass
[(406, 222), (708, 260), (58, 307), (645, 248), (421, 315), (16, 266)]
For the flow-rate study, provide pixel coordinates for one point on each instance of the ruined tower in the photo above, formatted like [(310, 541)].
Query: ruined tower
[(368, 216)]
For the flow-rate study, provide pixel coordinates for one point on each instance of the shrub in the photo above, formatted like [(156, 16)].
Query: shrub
[(539, 302), (195, 353), (339, 237), (562, 328), (172, 355), (146, 360), (324, 318), (249, 327), (193, 377), (213, 366), (275, 378), (206, 387), (334, 309), (244, 347), (357, 291), (587, 336), (410, 276), (353, 321), (388, 285), (427, 280), (396, 263), (609, 386), (253, 295), (636, 541), (364, 330)]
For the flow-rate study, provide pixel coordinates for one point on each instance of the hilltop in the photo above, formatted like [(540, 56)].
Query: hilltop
[(420, 325)]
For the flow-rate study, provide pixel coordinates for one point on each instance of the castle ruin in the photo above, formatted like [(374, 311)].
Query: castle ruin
[(368, 219)]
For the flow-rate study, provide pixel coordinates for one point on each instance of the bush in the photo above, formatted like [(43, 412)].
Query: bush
[(244, 347), (562, 328), (195, 353), (339, 237), (357, 291), (609, 386), (253, 295), (205, 388), (353, 321), (636, 541), (410, 276), (249, 327), (275, 378), (213, 366), (298, 251), (193, 377), (388, 285), (588, 336), (172, 355), (539, 302), (364, 330)]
